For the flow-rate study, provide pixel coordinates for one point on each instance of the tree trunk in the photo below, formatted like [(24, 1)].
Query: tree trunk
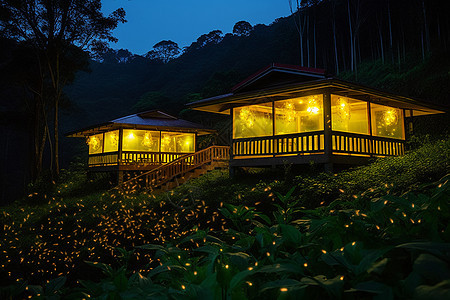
[(391, 47), (352, 63), (335, 45), (380, 34), (307, 41), (425, 24)]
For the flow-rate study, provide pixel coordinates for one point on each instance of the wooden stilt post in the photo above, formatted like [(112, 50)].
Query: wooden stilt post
[(327, 135)]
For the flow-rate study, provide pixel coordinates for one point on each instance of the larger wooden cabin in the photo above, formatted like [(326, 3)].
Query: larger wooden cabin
[(139, 142), (298, 115)]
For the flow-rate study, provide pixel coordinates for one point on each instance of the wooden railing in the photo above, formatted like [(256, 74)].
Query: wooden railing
[(132, 158), (152, 158), (103, 159), (307, 142), (180, 166), (313, 142), (352, 143)]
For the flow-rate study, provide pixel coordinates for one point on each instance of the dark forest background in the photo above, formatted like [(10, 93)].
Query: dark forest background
[(401, 46)]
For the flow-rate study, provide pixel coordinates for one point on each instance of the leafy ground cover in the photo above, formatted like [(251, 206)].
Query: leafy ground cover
[(380, 230)]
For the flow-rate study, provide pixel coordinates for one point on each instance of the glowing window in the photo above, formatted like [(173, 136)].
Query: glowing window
[(252, 121), (140, 140), (299, 115), (349, 115), (177, 142), (111, 141), (95, 143), (387, 121)]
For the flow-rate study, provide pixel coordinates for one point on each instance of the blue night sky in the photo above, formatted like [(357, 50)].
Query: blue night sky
[(183, 21)]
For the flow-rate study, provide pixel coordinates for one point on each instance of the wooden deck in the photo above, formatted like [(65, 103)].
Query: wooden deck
[(131, 160), (302, 148)]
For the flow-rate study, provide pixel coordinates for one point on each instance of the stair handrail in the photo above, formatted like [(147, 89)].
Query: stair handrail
[(185, 161)]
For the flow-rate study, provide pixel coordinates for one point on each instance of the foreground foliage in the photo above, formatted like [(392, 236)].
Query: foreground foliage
[(388, 240)]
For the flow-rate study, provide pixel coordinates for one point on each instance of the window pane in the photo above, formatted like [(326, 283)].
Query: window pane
[(252, 121), (140, 140), (387, 121), (177, 142), (111, 141), (299, 115), (349, 115), (95, 143)]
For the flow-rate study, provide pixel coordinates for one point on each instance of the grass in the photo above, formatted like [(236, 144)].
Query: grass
[(53, 235)]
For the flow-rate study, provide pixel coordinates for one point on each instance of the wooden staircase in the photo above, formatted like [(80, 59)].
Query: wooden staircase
[(176, 172)]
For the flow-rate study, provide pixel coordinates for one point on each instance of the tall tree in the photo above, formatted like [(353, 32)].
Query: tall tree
[(164, 51), (242, 28), (57, 30)]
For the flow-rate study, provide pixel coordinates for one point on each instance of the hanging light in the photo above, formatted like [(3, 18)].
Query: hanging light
[(290, 112), (114, 138), (390, 117), (247, 116), (343, 108), (130, 135), (147, 141), (313, 106), (93, 142), (165, 141)]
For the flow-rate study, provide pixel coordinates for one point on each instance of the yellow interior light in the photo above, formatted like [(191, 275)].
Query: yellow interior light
[(130, 135), (313, 106), (247, 116), (114, 138), (147, 141), (343, 108), (390, 117), (93, 142)]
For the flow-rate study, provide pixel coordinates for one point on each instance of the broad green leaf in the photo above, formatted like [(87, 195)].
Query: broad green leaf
[(381, 290), (291, 234), (107, 270), (334, 286), (55, 285), (438, 291), (431, 268), (282, 283)]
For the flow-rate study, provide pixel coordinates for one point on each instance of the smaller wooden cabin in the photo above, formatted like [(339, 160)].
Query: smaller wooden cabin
[(289, 114), (139, 142)]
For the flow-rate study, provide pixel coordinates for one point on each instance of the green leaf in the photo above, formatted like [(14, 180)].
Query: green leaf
[(120, 281), (286, 267), (287, 283), (431, 268), (440, 250), (55, 285), (334, 286), (107, 270), (164, 268), (382, 290), (291, 234), (239, 277), (438, 291)]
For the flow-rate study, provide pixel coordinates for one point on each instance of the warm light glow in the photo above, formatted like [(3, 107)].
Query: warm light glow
[(94, 142), (247, 116), (147, 141), (390, 117), (290, 113), (343, 108), (114, 138), (284, 289), (130, 135), (313, 106)]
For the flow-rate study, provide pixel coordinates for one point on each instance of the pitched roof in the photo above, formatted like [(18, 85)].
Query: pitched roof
[(150, 120), (279, 82), (275, 74)]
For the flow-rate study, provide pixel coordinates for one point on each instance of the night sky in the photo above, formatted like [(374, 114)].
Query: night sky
[(182, 21)]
